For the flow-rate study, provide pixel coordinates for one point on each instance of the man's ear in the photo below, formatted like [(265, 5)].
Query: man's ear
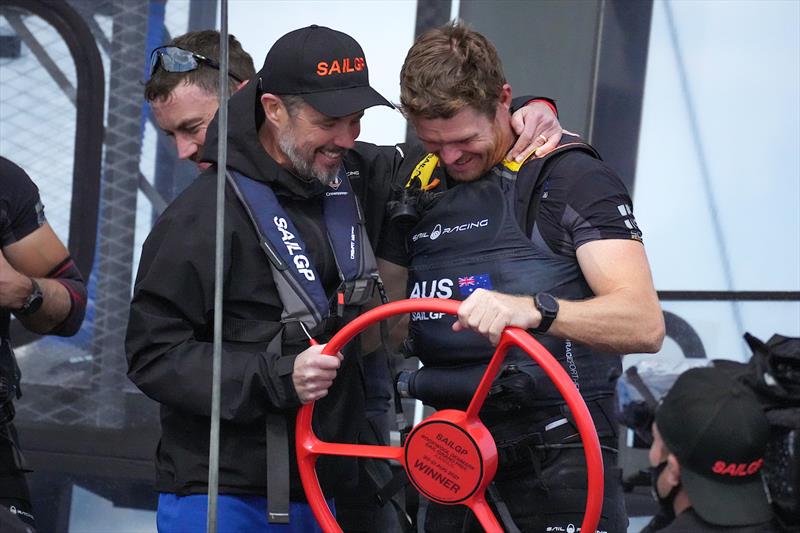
[(505, 96), (274, 110), (673, 471)]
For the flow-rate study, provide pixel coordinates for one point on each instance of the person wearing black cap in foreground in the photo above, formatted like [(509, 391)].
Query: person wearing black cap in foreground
[(709, 439)]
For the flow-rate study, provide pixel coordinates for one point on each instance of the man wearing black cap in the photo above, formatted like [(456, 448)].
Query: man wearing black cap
[(291, 159), (709, 439)]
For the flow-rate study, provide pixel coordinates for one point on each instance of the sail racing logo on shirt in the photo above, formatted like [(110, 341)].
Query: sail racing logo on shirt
[(301, 262), (438, 230)]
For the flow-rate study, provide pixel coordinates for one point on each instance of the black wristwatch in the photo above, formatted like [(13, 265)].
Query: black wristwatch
[(548, 307), (34, 301)]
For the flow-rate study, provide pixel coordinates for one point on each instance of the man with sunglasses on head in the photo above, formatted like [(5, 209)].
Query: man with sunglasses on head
[(183, 89), (292, 158)]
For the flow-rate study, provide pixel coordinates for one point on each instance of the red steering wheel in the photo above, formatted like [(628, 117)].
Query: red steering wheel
[(450, 457)]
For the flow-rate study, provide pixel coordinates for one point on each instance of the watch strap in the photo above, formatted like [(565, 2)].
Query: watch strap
[(33, 302)]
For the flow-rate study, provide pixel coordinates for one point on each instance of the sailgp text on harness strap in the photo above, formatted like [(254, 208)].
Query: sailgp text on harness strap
[(301, 291), (297, 280)]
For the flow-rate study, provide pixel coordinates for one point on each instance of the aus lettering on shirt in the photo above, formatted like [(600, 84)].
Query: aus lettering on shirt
[(437, 288)]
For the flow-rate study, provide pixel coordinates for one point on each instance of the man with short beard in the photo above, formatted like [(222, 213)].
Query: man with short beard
[(295, 255)]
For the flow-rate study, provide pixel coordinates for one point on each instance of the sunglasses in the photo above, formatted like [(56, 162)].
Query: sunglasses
[(174, 59)]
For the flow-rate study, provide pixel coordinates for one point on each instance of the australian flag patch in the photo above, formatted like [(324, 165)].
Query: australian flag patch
[(468, 284)]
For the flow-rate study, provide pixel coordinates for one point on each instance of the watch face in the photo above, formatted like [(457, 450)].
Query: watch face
[(35, 304), (34, 301), (546, 303)]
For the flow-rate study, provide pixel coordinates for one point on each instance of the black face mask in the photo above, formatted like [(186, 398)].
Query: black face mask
[(666, 510)]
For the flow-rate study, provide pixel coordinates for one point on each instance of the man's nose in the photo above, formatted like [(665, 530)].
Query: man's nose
[(346, 135), (450, 154), (186, 148)]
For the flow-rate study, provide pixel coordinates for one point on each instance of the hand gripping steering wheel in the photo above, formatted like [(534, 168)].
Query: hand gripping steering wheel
[(450, 457)]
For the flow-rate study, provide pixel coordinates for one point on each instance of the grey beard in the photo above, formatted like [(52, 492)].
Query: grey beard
[(304, 169)]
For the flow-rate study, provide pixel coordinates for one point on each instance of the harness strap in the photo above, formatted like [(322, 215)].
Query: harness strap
[(557, 432), (529, 183), (277, 454), (10, 379), (387, 493), (244, 330), (502, 510), (10, 454), (277, 469)]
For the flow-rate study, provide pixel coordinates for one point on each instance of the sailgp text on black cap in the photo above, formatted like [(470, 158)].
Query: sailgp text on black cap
[(327, 68), (717, 429)]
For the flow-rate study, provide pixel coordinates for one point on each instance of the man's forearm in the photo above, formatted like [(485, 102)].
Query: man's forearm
[(56, 306), (617, 322), (622, 321)]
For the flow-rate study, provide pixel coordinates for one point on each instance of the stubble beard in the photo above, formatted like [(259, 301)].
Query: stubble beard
[(302, 165)]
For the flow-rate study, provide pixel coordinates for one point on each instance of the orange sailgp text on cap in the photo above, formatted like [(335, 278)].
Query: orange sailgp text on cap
[(341, 66), (737, 469)]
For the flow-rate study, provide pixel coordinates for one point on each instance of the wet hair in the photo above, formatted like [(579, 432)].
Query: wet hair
[(206, 43)]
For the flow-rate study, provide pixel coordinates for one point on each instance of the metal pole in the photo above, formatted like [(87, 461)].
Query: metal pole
[(222, 154)]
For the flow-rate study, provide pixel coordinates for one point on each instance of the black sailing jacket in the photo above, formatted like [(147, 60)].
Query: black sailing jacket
[(170, 333)]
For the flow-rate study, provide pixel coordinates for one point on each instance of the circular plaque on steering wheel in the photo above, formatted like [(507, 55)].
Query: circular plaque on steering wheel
[(443, 462)]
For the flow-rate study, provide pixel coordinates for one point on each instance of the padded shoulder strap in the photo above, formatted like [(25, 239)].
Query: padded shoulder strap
[(534, 172), (298, 284)]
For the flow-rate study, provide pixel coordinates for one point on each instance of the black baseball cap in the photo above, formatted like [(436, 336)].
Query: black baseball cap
[(718, 431), (327, 68)]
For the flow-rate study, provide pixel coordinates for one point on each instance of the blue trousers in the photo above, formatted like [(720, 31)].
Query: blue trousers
[(235, 514)]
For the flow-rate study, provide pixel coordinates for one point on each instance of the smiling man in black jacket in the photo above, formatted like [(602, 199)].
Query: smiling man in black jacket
[(293, 156)]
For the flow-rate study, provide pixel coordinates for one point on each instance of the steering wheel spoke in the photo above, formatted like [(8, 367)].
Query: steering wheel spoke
[(485, 516), (394, 453), (491, 372)]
